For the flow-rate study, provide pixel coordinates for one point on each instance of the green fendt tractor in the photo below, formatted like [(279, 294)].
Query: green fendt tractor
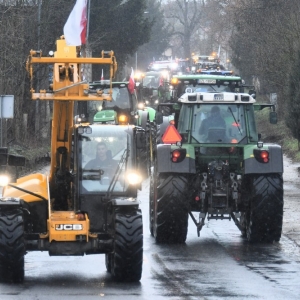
[(211, 161)]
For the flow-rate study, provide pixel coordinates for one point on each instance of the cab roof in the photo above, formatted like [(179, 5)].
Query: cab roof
[(217, 98)]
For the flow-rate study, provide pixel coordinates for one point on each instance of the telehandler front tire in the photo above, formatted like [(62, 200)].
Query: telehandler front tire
[(12, 246), (127, 257)]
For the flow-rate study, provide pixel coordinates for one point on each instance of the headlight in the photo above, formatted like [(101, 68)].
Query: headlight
[(123, 119), (134, 178), (141, 105), (4, 180)]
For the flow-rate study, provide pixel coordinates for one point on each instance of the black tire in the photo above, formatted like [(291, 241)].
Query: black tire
[(151, 200), (144, 153), (12, 247), (263, 220), (170, 210), (127, 257)]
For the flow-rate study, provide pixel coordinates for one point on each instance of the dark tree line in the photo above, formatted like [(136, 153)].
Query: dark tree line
[(265, 44), (115, 25)]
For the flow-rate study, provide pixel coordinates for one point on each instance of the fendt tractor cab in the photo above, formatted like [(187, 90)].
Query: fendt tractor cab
[(88, 203), (206, 62), (211, 161)]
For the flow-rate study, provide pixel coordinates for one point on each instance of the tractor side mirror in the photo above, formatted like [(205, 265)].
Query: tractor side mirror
[(273, 117), (16, 160), (140, 139), (252, 93), (159, 118)]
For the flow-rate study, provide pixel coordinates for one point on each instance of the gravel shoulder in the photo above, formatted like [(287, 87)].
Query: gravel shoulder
[(291, 216)]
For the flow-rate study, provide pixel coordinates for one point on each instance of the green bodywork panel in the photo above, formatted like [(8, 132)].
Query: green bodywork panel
[(151, 112), (105, 116)]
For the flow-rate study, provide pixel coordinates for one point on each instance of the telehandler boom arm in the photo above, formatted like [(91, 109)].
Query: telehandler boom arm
[(68, 86)]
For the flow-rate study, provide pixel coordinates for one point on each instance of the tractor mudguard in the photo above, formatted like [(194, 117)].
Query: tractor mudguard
[(275, 164), (10, 203), (151, 111), (143, 118), (165, 165)]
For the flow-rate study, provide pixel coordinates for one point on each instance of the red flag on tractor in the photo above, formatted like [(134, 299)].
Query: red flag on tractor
[(131, 84)]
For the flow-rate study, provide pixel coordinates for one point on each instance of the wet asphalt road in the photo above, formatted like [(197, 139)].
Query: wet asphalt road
[(218, 265)]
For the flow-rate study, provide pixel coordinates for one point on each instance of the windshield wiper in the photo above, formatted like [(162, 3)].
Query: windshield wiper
[(237, 124), (123, 161)]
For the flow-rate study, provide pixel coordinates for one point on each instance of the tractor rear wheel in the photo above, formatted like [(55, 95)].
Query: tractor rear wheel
[(12, 246), (263, 220), (170, 213), (127, 257)]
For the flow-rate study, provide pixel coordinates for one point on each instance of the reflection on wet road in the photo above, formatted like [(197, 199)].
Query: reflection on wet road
[(218, 265)]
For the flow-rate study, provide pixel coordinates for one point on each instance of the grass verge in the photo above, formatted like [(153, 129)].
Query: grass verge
[(278, 133)]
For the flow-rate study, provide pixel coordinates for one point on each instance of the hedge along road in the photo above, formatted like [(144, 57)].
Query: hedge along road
[(218, 265)]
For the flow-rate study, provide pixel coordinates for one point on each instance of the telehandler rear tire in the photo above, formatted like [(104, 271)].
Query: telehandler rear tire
[(127, 257), (12, 247)]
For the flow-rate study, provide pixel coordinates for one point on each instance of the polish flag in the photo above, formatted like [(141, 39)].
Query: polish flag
[(75, 27), (102, 77), (131, 84)]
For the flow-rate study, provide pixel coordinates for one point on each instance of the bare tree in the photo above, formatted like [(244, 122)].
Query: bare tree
[(184, 16), (265, 42)]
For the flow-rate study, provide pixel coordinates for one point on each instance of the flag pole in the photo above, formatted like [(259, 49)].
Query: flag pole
[(88, 19)]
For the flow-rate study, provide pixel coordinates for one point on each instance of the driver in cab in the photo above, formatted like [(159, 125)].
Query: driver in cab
[(214, 120), (103, 159)]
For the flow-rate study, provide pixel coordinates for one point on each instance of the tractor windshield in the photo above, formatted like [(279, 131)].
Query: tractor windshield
[(105, 162), (218, 123)]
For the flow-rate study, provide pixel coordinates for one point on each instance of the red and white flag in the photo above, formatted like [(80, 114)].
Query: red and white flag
[(102, 77), (75, 27), (131, 84)]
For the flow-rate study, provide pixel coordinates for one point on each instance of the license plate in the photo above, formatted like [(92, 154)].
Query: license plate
[(207, 81), (218, 97)]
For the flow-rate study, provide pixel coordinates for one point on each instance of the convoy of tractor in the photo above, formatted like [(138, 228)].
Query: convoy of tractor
[(191, 131)]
